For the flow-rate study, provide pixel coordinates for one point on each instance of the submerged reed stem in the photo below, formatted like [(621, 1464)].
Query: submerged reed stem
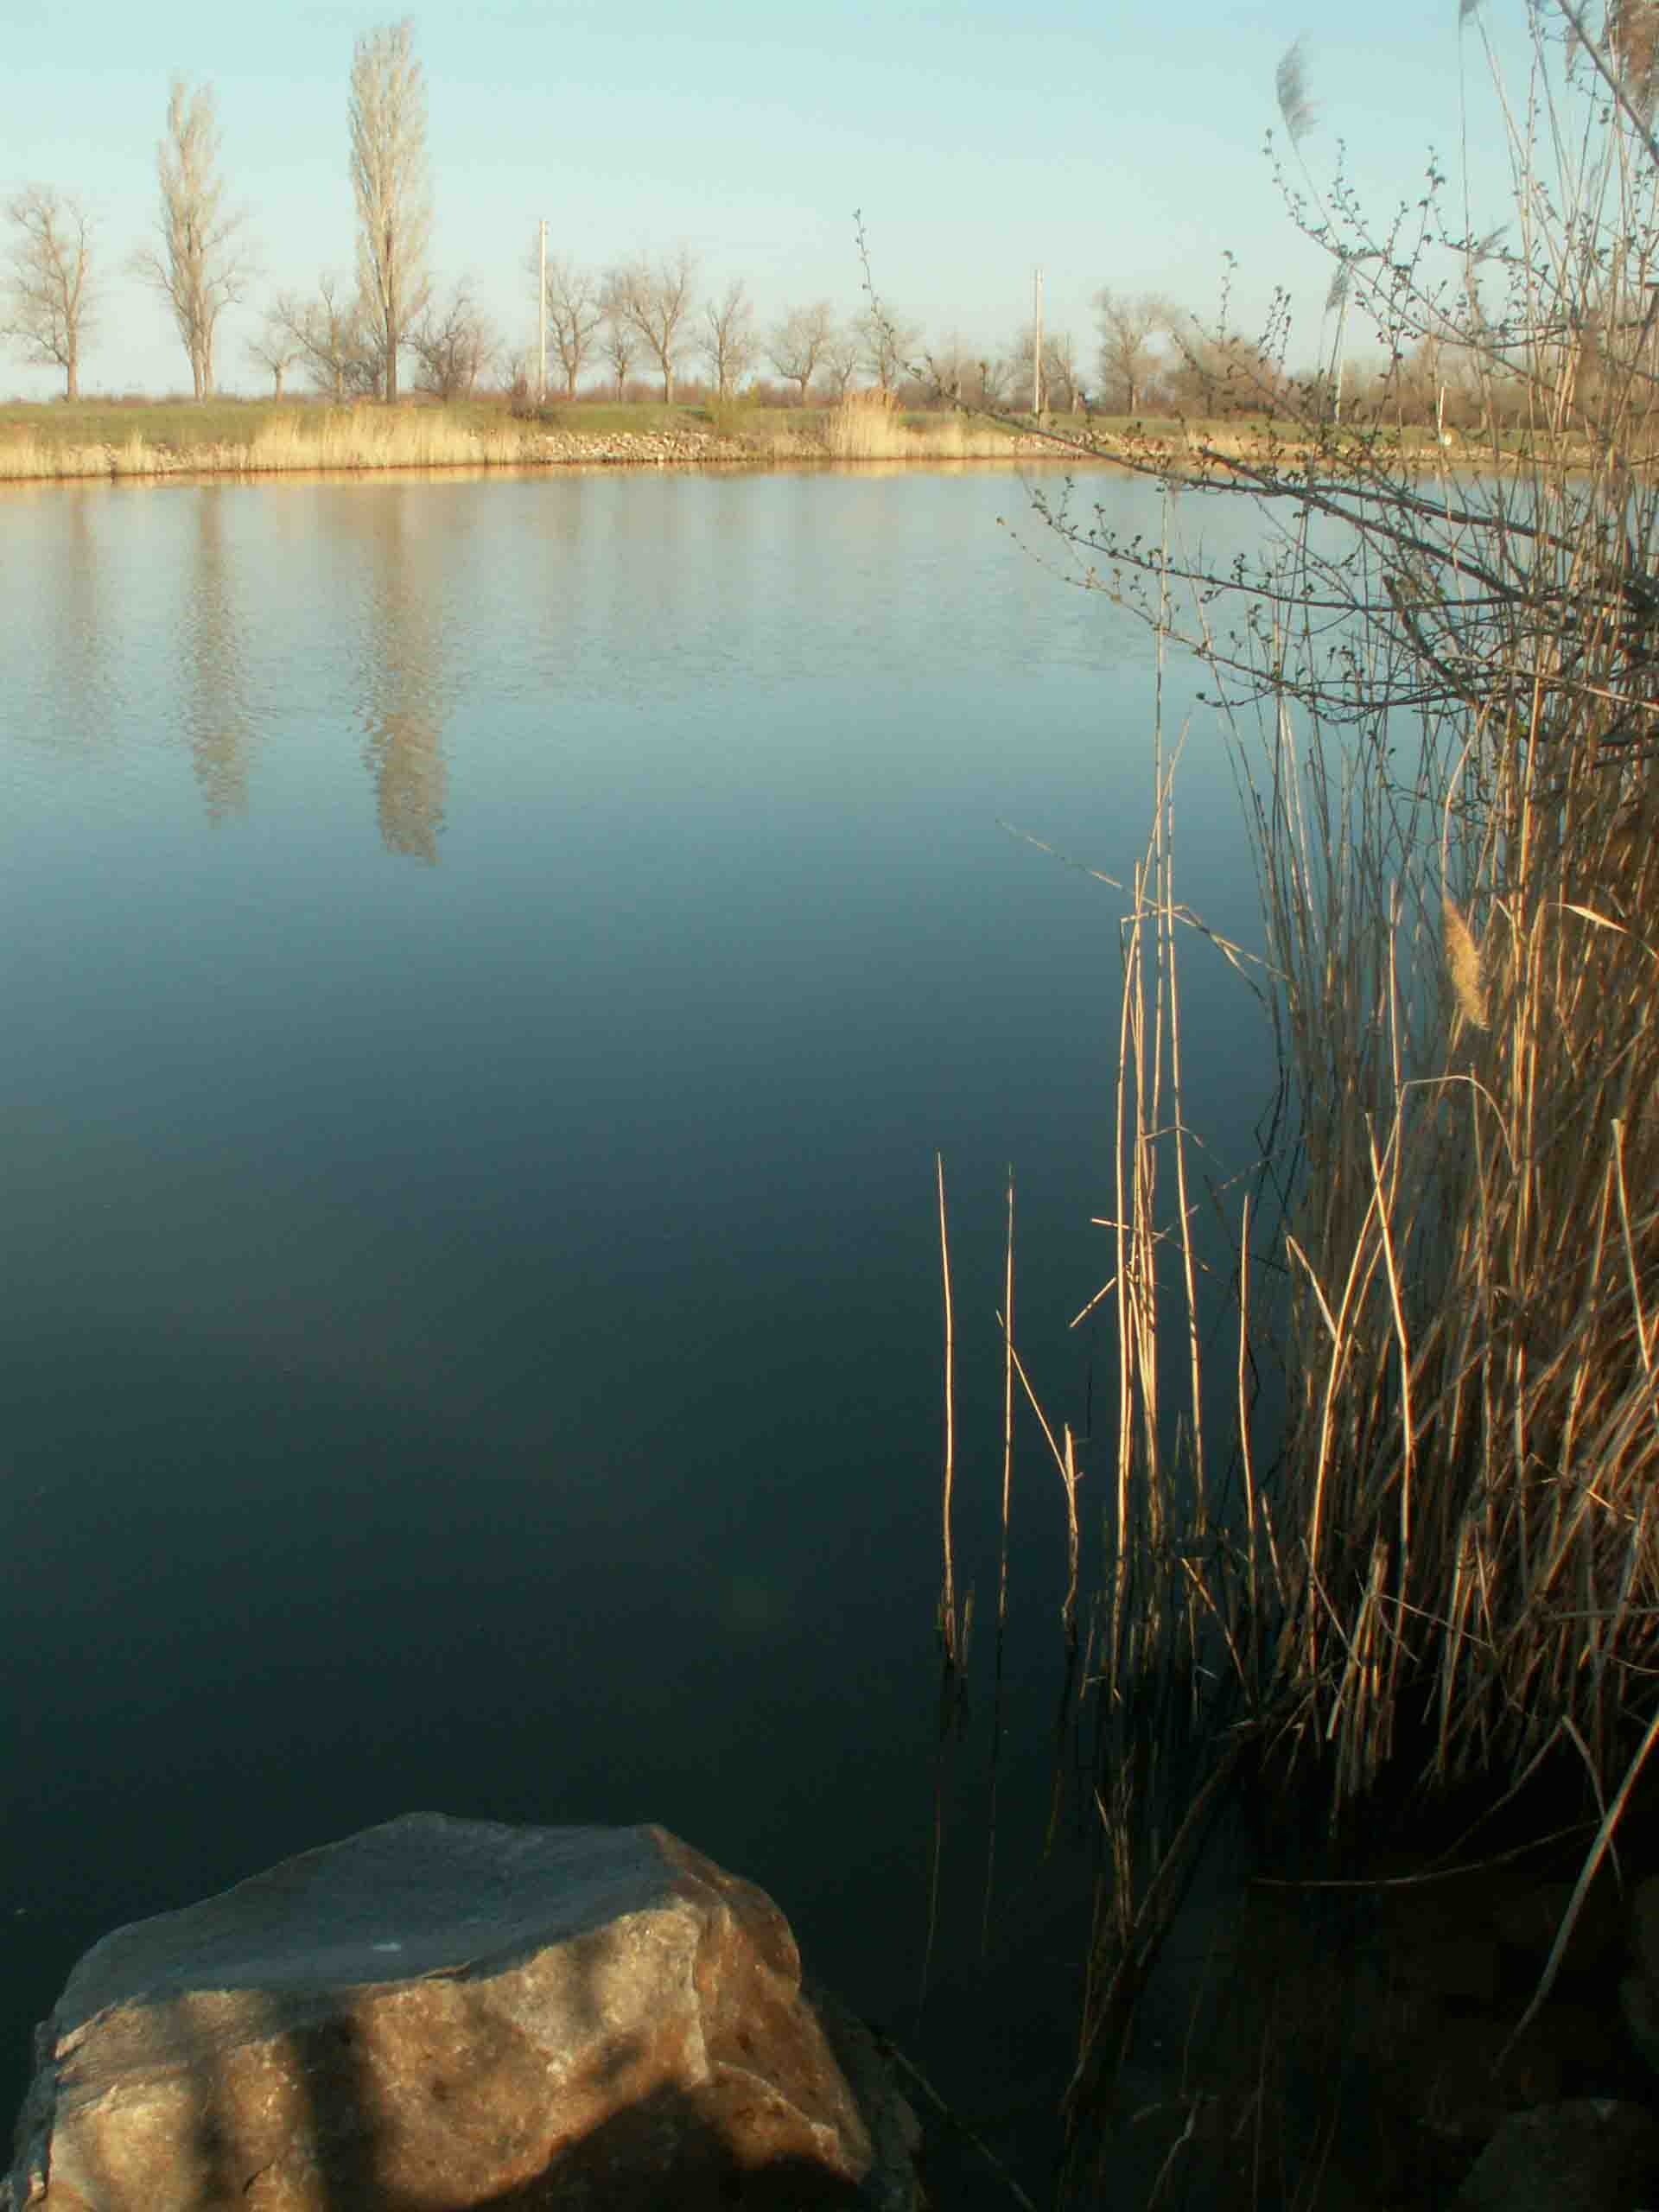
[(948, 1620)]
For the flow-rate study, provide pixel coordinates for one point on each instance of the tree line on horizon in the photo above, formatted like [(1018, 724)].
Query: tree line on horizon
[(200, 260), (643, 314)]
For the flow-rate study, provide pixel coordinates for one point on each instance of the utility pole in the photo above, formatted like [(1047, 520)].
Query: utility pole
[(541, 321), (1037, 342)]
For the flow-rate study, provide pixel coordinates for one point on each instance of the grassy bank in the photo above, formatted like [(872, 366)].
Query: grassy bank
[(136, 438)]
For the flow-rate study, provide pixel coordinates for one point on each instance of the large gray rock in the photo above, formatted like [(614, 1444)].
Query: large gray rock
[(440, 2014)]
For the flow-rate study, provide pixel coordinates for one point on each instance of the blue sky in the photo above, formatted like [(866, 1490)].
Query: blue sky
[(1112, 145)]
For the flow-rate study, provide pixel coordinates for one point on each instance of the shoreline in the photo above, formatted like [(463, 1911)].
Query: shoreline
[(427, 445), (136, 460)]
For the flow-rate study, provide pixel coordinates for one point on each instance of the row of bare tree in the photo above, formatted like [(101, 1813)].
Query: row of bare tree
[(202, 262), (1151, 356), (647, 310), (349, 338)]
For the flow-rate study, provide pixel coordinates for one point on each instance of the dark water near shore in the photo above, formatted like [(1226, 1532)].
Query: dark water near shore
[(487, 968)]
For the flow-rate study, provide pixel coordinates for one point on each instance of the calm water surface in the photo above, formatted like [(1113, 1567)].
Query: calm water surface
[(487, 967)]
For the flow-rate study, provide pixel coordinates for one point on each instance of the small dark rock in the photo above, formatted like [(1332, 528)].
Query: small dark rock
[(1590, 2155)]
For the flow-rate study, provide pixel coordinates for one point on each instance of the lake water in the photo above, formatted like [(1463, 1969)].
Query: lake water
[(487, 967)]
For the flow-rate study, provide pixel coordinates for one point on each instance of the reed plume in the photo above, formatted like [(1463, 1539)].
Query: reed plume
[(1463, 964)]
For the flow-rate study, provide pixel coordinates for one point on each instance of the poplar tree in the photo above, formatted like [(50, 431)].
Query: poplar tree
[(201, 267), (392, 186)]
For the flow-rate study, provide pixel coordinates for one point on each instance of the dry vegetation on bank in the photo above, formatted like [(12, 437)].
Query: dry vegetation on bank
[(137, 439), (247, 438), (1434, 1582)]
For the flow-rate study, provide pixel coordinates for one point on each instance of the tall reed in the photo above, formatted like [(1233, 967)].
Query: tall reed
[(403, 437), (31, 460), (868, 426), (1443, 694)]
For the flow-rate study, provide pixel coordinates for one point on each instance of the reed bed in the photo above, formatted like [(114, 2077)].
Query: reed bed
[(346, 438), (868, 426), (864, 428), (1442, 1573), (31, 460), (413, 437), (1443, 1576), (1474, 1268)]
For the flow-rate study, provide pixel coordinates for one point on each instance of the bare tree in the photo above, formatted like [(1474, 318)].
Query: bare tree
[(1129, 323), (991, 380), (334, 337), (275, 348), (655, 298), (617, 341), (726, 338), (202, 266), (454, 346), (387, 114), (1060, 374), (575, 309), (1216, 371), (971, 379), (795, 346), (1424, 386), (1060, 378), (48, 292), (843, 357), (890, 344)]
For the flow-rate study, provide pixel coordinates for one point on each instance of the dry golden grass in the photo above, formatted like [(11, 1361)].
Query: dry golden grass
[(370, 437), (343, 438), (864, 428), (31, 460), (867, 426)]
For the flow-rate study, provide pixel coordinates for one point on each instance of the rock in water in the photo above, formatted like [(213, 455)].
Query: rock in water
[(1590, 2154), (440, 2014)]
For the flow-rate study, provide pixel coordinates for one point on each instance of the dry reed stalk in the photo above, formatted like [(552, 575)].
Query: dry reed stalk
[(31, 460), (1007, 1428), (1168, 915), (1454, 1553), (1587, 1871), (364, 438), (952, 1636), (1520, 1360), (1121, 1554), (1068, 1477), (1474, 1287), (1109, 2009), (1064, 1459), (948, 1622), (1006, 1322), (867, 426), (132, 457), (323, 438)]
